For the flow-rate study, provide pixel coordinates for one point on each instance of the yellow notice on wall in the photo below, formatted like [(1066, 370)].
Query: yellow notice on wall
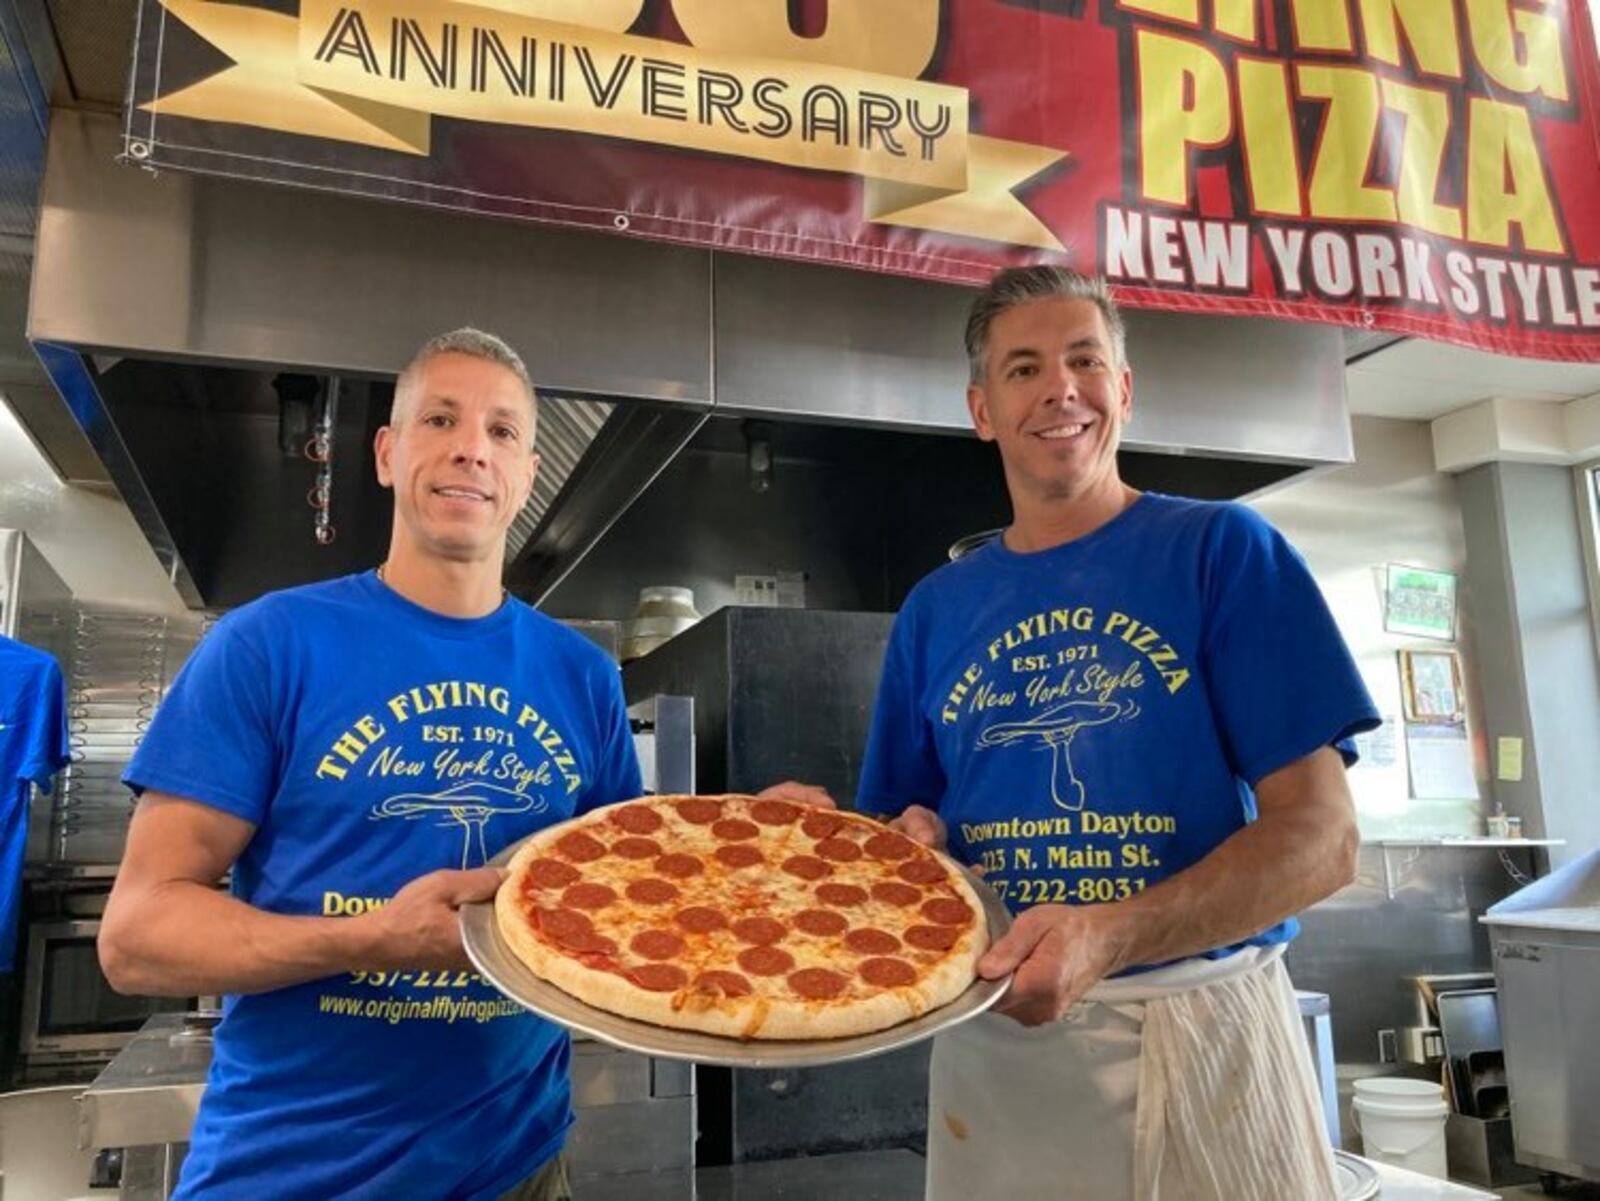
[(1508, 756)]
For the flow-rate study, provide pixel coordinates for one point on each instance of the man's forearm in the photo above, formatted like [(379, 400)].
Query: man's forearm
[(182, 938), (1268, 871)]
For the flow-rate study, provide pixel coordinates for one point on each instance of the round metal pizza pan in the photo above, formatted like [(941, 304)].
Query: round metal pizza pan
[(495, 960), (1357, 1180)]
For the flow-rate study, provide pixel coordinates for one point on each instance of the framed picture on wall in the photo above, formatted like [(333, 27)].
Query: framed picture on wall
[(1430, 685), (1419, 602)]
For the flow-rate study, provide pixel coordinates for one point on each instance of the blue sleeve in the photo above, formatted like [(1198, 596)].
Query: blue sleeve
[(49, 745), (215, 737), (1282, 682), (616, 774), (901, 766)]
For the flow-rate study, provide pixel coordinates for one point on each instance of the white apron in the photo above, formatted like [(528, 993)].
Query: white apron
[(1188, 1083)]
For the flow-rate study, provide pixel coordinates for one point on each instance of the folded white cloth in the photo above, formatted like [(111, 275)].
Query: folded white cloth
[(1188, 1083)]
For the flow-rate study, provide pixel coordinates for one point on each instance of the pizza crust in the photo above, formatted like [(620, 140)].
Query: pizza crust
[(772, 1011)]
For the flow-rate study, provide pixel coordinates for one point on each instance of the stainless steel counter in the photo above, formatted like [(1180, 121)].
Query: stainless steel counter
[(151, 1091), (858, 1175)]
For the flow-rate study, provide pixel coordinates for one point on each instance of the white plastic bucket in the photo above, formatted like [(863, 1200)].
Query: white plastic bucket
[(1402, 1123)]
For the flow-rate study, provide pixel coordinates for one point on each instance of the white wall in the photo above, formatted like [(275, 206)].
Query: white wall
[(1389, 506), (89, 538)]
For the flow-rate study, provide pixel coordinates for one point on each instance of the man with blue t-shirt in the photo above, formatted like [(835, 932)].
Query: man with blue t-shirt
[(354, 752), (1133, 713)]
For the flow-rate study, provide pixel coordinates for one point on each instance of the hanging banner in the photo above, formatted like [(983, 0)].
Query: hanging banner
[(1430, 167)]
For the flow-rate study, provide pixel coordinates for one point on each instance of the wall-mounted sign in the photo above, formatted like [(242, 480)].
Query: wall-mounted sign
[(1419, 602), (1429, 168), (1430, 683)]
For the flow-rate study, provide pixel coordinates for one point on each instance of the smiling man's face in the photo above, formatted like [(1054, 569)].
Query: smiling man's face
[(1053, 398), (458, 453)]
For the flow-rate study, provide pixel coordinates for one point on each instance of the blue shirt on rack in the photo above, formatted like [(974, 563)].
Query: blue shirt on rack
[(33, 747)]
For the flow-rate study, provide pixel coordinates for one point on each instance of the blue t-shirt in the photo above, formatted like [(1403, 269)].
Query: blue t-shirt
[(371, 741), (33, 745), (1090, 719)]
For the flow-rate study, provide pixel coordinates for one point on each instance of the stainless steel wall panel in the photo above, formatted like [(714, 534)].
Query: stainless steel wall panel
[(206, 268), (1362, 946), (814, 342)]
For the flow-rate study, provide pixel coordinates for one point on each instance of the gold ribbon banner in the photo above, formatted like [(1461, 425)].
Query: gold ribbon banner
[(375, 72)]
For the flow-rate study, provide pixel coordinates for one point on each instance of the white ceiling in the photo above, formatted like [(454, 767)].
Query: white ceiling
[(1420, 380)]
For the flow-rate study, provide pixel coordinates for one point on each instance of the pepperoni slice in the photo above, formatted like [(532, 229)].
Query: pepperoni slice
[(807, 867), (932, 938), (728, 984), (651, 891), (588, 896), (767, 961), (868, 941), (656, 944), (774, 813), (580, 847), (658, 977), (738, 854), (822, 922), (734, 829), (679, 865), (841, 894), (591, 947), (817, 983), (552, 873), (636, 848), (892, 892), (700, 919), (560, 923), (920, 871), (564, 925), (698, 811), (638, 819), (887, 973), (821, 824), (947, 911), (890, 847), (840, 850), (759, 930)]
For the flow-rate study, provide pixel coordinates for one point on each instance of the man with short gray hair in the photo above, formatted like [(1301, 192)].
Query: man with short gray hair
[(353, 752), (1133, 713)]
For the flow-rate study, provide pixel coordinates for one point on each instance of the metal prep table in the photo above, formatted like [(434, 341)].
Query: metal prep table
[(634, 1113), (1546, 942)]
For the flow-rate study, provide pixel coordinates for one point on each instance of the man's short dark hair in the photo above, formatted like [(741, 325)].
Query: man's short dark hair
[(1015, 286)]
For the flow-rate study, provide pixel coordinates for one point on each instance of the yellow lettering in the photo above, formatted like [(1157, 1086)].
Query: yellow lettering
[(1271, 153), (1235, 19), (369, 729), (612, 16), (1430, 28), (1183, 103), (1184, 12), (887, 37), (1338, 177), (1500, 144), (1497, 29), (1422, 149), (1321, 25)]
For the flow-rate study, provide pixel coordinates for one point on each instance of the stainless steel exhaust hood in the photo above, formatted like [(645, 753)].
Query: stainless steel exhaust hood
[(637, 342)]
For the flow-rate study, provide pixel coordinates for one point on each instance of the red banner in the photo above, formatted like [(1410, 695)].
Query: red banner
[(1430, 167)]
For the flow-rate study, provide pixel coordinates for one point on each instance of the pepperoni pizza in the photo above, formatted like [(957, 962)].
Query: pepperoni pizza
[(742, 917)]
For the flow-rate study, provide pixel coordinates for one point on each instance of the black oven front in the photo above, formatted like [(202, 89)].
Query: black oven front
[(69, 1009)]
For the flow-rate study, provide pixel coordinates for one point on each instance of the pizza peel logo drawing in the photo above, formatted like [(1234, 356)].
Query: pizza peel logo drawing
[(1054, 730), (472, 806)]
